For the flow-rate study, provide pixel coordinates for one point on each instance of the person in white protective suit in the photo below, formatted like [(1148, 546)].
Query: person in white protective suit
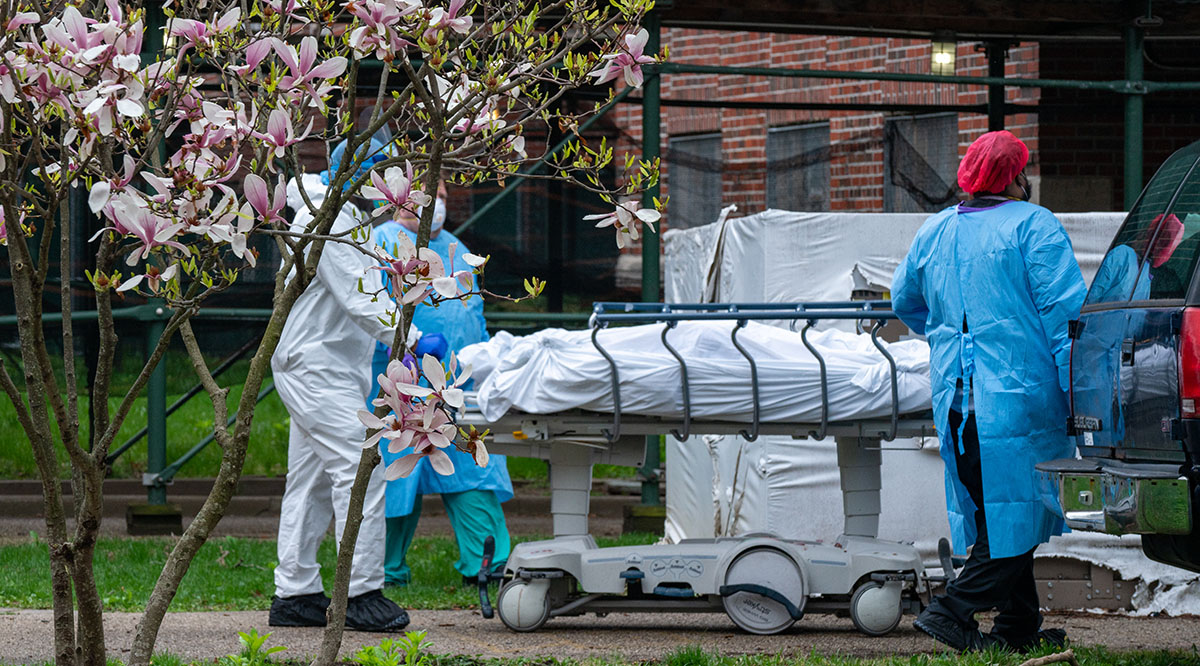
[(321, 372)]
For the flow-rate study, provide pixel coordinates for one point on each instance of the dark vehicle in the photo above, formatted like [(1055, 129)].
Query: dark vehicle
[(1135, 379)]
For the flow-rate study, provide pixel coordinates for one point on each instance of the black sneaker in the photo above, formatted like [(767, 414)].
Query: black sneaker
[(1055, 638), (306, 610), (948, 632), (371, 611)]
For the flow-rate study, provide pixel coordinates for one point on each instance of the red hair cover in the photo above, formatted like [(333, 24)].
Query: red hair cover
[(992, 162)]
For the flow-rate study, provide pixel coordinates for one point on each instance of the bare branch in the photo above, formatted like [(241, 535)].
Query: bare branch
[(216, 394)]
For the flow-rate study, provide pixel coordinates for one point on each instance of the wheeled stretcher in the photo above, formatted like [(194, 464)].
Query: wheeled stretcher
[(763, 582)]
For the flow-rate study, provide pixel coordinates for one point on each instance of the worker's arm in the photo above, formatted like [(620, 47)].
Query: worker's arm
[(1056, 284), (907, 300), (340, 268)]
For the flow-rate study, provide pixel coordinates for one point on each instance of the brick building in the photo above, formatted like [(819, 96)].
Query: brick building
[(842, 160)]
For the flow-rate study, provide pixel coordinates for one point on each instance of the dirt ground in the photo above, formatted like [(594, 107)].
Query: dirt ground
[(26, 636)]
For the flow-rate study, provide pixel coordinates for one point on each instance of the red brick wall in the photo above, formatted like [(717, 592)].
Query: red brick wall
[(856, 137), (1083, 131)]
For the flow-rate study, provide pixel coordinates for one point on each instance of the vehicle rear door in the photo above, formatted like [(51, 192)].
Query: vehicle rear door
[(1124, 359)]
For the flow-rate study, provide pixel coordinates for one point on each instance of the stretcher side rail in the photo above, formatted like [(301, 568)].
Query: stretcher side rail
[(879, 313), (579, 425)]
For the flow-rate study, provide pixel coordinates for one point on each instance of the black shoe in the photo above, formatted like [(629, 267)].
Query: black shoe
[(305, 610), (371, 611), (948, 632), (1055, 638)]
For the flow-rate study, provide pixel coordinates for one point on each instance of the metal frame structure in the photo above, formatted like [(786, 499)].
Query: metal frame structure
[(1133, 87)]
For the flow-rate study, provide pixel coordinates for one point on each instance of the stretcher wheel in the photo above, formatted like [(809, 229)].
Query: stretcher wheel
[(875, 607), (524, 605), (754, 612)]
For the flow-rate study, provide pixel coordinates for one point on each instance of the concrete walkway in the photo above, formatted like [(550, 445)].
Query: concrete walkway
[(26, 636)]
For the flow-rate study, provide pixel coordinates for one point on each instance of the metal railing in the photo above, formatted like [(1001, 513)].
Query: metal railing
[(670, 314)]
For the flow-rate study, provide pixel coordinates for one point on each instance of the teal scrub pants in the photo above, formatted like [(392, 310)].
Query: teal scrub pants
[(474, 515)]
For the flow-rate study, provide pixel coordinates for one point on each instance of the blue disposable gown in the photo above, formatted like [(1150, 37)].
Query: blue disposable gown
[(1009, 271), (461, 326)]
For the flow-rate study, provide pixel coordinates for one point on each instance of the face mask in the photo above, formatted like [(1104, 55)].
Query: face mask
[(439, 216)]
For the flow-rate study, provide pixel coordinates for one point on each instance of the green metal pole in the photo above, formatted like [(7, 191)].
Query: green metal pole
[(1134, 107), (651, 268), (995, 100), (156, 409)]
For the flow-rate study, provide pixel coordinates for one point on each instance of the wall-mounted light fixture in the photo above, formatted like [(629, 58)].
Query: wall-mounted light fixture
[(941, 60)]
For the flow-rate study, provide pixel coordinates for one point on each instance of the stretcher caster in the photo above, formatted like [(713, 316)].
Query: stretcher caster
[(764, 591), (875, 608), (524, 605)]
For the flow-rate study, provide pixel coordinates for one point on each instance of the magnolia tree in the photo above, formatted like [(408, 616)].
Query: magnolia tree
[(183, 153)]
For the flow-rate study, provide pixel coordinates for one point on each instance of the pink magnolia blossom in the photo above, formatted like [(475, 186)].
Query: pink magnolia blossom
[(428, 432), (256, 194), (152, 277), (200, 34), (102, 190), (624, 219), (379, 30), (442, 19), (3, 228), (22, 19), (628, 61), (430, 272), (280, 133), (256, 52), (446, 383), (152, 230), (304, 72), (72, 32), (399, 263), (396, 188), (388, 427)]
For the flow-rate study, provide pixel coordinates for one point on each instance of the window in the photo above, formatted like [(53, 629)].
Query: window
[(920, 163), (1170, 235), (798, 167), (693, 180)]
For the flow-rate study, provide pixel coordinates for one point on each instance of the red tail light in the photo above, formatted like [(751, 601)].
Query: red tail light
[(1189, 364)]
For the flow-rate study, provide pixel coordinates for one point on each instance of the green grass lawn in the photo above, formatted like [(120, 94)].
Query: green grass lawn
[(230, 573), (695, 656), (235, 574)]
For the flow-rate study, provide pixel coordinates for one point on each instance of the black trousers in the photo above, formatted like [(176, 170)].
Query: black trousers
[(985, 583)]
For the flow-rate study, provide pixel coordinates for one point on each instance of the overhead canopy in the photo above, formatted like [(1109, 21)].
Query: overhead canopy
[(968, 19)]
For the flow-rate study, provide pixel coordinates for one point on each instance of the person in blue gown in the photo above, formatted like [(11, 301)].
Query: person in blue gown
[(993, 283), (472, 495)]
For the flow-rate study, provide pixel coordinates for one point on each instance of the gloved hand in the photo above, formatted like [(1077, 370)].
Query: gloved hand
[(434, 344)]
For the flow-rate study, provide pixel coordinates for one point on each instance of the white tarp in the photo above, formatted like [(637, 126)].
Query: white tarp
[(779, 256), (555, 370), (725, 485)]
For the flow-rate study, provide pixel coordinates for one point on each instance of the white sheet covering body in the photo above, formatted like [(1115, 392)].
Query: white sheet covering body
[(556, 370), (791, 487)]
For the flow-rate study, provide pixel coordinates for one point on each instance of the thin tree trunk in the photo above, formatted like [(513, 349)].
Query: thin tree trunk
[(233, 457), (331, 644), (29, 327), (88, 603)]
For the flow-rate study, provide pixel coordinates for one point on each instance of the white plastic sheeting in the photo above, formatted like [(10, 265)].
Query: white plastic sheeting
[(779, 256), (726, 485), (556, 370)]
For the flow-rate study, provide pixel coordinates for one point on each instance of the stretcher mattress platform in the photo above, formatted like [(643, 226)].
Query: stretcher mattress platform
[(762, 582)]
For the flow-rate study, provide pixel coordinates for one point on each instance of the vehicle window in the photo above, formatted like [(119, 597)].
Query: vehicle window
[(1172, 253), (1119, 273)]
